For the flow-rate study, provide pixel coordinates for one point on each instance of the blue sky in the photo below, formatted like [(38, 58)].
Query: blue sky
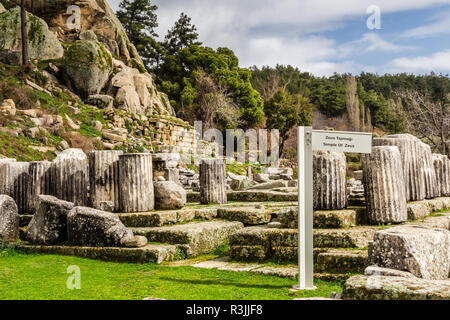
[(322, 36)]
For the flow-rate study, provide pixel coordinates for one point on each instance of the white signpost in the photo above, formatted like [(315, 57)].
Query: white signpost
[(309, 140)]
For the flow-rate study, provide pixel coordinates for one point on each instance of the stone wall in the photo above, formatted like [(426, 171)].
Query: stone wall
[(175, 135)]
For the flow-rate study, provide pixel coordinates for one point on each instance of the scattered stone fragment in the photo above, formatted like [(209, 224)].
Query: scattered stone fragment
[(49, 224), (395, 288), (169, 195), (91, 227), (9, 219), (378, 271)]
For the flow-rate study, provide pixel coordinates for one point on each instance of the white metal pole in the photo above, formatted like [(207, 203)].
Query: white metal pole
[(305, 209)]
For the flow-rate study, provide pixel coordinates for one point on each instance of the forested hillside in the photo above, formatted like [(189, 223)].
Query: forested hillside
[(209, 85)]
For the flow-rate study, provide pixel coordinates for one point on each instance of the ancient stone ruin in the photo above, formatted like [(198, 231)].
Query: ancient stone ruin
[(384, 184)]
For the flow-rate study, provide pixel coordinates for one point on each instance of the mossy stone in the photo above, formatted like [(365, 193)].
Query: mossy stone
[(88, 64), (43, 44)]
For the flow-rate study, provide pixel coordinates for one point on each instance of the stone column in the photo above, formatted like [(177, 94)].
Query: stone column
[(411, 153), (329, 174), (212, 181), (136, 192), (39, 183), (442, 169), (15, 181), (431, 187), (4, 183), (384, 185), (104, 180), (69, 175)]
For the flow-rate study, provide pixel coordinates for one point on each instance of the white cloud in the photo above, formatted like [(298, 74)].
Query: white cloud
[(267, 32), (438, 62), (370, 42), (440, 26)]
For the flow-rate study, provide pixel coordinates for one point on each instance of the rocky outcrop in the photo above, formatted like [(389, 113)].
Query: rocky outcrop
[(88, 65), (49, 224), (91, 227), (329, 174), (136, 93), (43, 44), (169, 195), (9, 219), (96, 16), (420, 250), (384, 186)]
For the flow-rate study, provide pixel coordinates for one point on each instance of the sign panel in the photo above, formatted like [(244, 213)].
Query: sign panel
[(309, 140), (339, 141)]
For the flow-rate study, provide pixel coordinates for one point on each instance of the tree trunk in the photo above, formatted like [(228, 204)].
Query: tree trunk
[(23, 25)]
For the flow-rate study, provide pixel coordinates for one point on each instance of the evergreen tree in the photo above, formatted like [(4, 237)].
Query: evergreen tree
[(285, 111), (139, 20), (182, 35)]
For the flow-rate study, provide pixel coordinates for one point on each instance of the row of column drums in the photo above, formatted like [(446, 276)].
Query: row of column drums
[(105, 179)]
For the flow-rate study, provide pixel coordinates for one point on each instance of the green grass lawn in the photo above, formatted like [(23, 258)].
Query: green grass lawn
[(35, 277)]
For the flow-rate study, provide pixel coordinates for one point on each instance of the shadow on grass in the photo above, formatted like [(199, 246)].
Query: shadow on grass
[(223, 283)]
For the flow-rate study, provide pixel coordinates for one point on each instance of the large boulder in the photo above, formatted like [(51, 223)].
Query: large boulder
[(43, 44), (423, 251), (9, 219), (49, 224), (169, 195), (88, 64), (91, 227)]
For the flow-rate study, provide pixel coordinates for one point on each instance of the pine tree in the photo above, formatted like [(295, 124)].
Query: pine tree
[(139, 20), (182, 35)]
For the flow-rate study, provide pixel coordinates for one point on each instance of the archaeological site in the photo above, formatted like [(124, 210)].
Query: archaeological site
[(119, 179)]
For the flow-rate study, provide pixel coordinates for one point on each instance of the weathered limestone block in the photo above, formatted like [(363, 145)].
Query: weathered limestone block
[(384, 186), (378, 271), (329, 174), (418, 210), (411, 154), (15, 182), (395, 288), (271, 185), (49, 224), (169, 195), (70, 177), (39, 183), (9, 219), (420, 250), (212, 181), (136, 183), (442, 169), (104, 179), (246, 215), (431, 185), (91, 227)]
